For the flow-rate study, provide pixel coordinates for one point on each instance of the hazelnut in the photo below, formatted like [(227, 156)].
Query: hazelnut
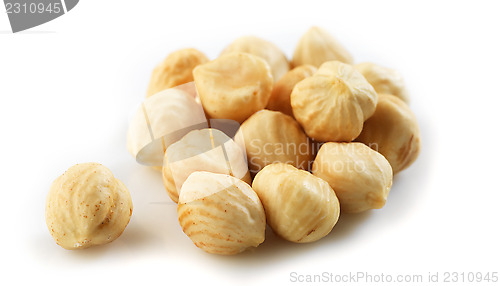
[(264, 49), (87, 206), (360, 176), (175, 70), (161, 120), (234, 86), (220, 213), (202, 150), (384, 80), (280, 96), (317, 46), (299, 206), (332, 104), (393, 131), (273, 137)]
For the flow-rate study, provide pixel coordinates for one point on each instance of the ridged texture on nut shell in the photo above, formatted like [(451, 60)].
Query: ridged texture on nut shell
[(273, 137), (317, 46), (175, 70), (221, 214), (264, 49), (332, 104), (280, 96), (202, 150), (299, 206), (384, 80), (87, 206), (234, 86), (393, 131), (360, 176)]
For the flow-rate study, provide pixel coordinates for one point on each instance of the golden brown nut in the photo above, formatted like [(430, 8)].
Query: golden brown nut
[(280, 96), (316, 47), (220, 213), (175, 70), (384, 80), (332, 104), (393, 131), (202, 150), (361, 177), (234, 86), (87, 206), (299, 206), (264, 49), (273, 137)]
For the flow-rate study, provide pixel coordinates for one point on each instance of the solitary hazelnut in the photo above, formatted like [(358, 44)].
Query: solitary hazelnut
[(87, 206)]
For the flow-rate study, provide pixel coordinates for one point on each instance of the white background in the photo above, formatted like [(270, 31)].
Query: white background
[(68, 88)]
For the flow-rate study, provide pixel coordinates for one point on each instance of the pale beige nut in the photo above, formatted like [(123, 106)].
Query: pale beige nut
[(360, 176), (299, 206), (384, 80), (280, 96), (202, 150), (87, 206), (332, 104), (317, 46), (234, 86), (264, 49), (273, 137), (393, 131), (161, 120), (220, 213), (176, 69)]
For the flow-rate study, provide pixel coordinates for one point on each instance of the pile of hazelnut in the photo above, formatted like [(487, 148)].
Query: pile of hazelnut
[(248, 139)]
